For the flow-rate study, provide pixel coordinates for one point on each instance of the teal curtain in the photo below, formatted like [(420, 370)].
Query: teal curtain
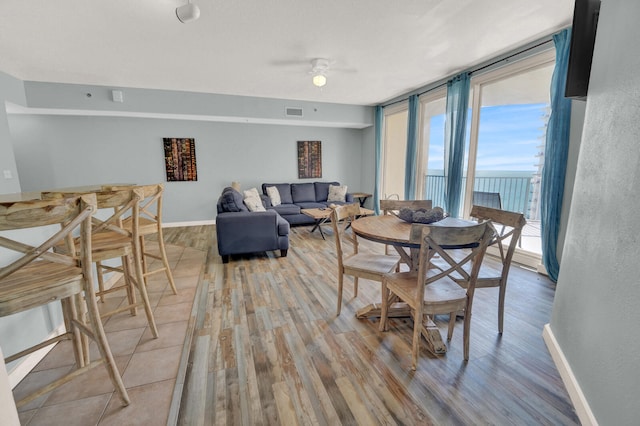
[(410, 164), (454, 133), (555, 157), (378, 141)]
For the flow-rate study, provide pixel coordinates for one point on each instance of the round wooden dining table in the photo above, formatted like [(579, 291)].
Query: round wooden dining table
[(391, 230)]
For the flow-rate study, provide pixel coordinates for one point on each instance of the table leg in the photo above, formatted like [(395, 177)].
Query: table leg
[(318, 226)]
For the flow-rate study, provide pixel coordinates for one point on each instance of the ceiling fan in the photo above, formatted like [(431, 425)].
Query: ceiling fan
[(319, 68)]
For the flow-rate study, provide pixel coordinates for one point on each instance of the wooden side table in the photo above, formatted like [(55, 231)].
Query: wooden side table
[(361, 196)]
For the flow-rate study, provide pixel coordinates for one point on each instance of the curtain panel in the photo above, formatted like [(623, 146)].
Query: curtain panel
[(378, 158), (555, 157), (454, 133), (411, 162)]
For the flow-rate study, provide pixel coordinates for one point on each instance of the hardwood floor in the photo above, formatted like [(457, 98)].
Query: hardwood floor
[(269, 349)]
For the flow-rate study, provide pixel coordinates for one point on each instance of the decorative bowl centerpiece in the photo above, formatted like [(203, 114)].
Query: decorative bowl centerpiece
[(421, 215)]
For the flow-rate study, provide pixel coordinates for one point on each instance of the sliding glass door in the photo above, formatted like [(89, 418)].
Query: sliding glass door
[(506, 149)]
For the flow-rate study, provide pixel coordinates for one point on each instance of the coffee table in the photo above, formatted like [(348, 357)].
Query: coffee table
[(321, 215)]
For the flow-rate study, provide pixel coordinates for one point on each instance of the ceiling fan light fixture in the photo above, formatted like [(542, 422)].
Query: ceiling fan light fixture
[(187, 13), (319, 80), (319, 68)]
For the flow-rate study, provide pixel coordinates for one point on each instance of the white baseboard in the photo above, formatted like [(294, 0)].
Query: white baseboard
[(580, 403), (196, 223)]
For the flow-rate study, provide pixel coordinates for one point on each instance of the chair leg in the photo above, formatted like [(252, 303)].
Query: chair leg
[(415, 347), (70, 312), (355, 286), (142, 288), (165, 261), (340, 282), (501, 296), (129, 284), (384, 312), (105, 351), (466, 332), (452, 324), (100, 281)]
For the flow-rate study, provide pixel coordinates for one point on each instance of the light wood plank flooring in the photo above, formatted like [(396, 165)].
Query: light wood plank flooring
[(269, 349)]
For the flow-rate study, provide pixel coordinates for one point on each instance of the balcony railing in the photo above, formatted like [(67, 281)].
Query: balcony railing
[(515, 191)]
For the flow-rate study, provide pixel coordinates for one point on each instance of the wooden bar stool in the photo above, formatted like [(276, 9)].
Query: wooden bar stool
[(111, 240), (39, 276), (150, 223)]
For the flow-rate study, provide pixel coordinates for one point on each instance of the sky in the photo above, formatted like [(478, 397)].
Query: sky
[(508, 140)]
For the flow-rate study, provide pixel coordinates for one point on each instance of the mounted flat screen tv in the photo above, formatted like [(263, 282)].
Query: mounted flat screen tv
[(583, 37)]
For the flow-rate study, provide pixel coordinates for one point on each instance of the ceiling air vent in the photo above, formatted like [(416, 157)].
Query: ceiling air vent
[(293, 112)]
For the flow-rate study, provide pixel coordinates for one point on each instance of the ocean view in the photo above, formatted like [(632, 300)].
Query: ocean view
[(516, 188)]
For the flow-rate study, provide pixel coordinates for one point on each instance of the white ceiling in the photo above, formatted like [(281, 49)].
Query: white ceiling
[(380, 49)]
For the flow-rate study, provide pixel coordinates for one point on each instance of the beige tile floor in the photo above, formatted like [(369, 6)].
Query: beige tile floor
[(149, 367)]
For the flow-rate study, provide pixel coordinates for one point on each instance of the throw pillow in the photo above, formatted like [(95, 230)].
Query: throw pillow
[(253, 201), (337, 193), (253, 192), (254, 204), (274, 195)]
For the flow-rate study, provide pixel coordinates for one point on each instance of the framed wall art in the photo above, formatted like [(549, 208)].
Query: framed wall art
[(180, 159), (309, 159)]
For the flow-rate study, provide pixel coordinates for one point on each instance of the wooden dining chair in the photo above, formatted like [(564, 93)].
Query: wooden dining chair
[(505, 244), (38, 276), (351, 262), (150, 223), (430, 291), (394, 206), (111, 240)]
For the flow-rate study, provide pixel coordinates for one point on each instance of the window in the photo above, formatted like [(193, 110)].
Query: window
[(506, 131)]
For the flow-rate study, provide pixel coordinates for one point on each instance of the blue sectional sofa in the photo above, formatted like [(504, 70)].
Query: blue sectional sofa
[(298, 196), (240, 231)]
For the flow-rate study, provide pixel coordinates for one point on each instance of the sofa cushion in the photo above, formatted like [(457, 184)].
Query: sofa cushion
[(303, 192), (284, 189), (231, 201), (322, 189), (287, 209), (337, 193), (312, 205), (274, 195)]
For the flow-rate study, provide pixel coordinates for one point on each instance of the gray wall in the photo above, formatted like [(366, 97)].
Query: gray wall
[(595, 313), (11, 90), (61, 151)]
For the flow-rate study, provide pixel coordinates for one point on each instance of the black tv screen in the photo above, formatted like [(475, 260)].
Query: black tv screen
[(583, 37)]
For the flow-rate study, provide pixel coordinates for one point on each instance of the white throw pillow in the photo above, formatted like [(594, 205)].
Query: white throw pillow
[(251, 193), (337, 193), (254, 204), (274, 195), (253, 201)]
